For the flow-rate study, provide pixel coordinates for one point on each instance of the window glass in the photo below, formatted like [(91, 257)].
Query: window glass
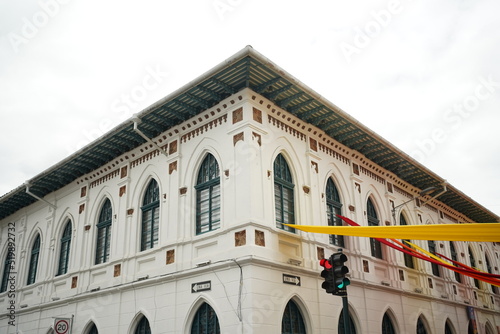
[(375, 245), (340, 328), (33, 264), (432, 249), (208, 196), (292, 321), (104, 233), (150, 216), (143, 327), (62, 268), (283, 194), (408, 258), (205, 321), (6, 271), (454, 257), (420, 326), (472, 260), (387, 326), (333, 208)]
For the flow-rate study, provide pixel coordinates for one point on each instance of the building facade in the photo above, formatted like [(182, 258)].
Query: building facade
[(173, 223)]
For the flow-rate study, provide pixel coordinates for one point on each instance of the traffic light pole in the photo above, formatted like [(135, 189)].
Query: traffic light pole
[(345, 313)]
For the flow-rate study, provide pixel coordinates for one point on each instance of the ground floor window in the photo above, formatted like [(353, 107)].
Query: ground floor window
[(387, 326), (93, 330), (341, 327), (143, 327), (292, 321), (447, 329), (421, 327), (205, 321)]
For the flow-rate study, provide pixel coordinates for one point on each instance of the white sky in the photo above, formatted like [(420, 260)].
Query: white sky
[(425, 75)]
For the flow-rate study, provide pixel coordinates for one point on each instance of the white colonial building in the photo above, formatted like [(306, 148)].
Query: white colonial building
[(172, 223)]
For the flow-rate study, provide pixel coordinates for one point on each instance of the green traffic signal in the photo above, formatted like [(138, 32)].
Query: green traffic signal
[(345, 282)]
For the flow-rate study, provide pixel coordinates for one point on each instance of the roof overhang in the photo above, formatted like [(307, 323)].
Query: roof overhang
[(246, 69)]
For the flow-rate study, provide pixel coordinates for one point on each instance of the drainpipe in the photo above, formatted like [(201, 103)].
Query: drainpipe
[(27, 184), (435, 196), (136, 121)]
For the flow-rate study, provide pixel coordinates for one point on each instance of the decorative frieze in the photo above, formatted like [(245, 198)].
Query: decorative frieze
[(333, 153), (372, 175), (204, 128), (144, 158), (450, 218), (105, 178), (287, 128), (402, 192)]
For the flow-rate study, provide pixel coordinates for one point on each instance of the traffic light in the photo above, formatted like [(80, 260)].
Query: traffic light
[(339, 270), (327, 274)]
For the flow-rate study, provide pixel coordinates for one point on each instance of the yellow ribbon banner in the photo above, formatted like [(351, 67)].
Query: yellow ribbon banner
[(488, 232)]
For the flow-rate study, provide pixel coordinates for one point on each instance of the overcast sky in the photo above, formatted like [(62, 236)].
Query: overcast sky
[(424, 75)]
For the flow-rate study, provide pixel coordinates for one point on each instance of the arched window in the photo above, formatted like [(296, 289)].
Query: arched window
[(104, 233), (62, 268), (408, 258), (143, 327), (93, 330), (421, 326), (375, 245), (473, 265), (494, 289), (150, 216), (333, 208), (454, 257), (448, 329), (283, 194), (6, 270), (387, 326), (489, 328), (208, 196), (35, 254), (340, 327), (432, 249), (292, 321), (205, 321)]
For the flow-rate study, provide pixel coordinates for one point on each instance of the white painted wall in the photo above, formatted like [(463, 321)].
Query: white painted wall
[(165, 297)]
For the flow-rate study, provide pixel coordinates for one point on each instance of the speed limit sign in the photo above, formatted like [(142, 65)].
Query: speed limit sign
[(61, 326)]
